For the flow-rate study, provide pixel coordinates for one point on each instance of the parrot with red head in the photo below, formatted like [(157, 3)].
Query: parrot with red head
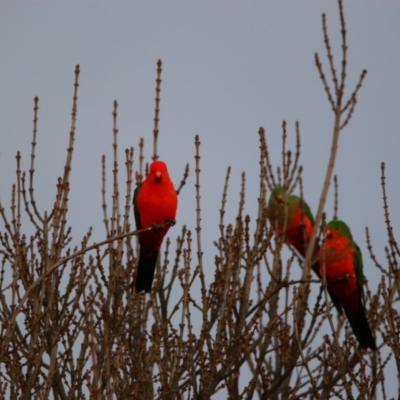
[(155, 201)]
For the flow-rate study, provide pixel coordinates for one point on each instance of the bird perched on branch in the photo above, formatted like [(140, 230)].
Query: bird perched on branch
[(155, 202), (294, 213), (340, 260)]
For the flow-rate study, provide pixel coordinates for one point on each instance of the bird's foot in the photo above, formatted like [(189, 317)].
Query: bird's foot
[(170, 222), (345, 278)]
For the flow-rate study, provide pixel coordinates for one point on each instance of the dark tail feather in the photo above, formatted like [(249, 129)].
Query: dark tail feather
[(145, 272), (334, 298), (359, 325)]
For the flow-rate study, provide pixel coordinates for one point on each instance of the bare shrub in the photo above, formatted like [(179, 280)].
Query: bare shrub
[(72, 326)]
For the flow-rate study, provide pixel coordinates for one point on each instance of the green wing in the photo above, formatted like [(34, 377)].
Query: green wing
[(135, 210), (296, 201), (307, 212), (358, 264)]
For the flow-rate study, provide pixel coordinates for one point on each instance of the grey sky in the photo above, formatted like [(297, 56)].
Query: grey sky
[(228, 68)]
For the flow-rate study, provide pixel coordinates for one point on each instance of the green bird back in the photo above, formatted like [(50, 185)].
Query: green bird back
[(307, 211), (358, 263)]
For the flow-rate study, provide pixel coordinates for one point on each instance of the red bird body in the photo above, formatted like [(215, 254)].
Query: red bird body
[(298, 230), (340, 260), (155, 201), (293, 213), (342, 266)]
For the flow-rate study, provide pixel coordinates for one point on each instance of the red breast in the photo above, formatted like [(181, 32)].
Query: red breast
[(338, 256), (157, 200)]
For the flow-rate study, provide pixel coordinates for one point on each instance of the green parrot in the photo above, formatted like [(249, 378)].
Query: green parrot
[(341, 261)]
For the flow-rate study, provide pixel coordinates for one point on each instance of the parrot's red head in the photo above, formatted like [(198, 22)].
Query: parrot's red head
[(158, 169)]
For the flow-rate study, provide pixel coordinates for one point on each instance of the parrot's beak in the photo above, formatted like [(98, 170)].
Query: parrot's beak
[(158, 176), (328, 234)]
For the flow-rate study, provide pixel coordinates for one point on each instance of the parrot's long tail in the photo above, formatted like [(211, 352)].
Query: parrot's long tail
[(359, 325), (145, 272)]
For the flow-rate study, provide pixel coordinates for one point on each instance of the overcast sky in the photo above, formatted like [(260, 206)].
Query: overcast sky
[(228, 68)]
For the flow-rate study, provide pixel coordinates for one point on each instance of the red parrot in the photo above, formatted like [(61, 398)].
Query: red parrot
[(299, 226), (155, 201), (340, 260)]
